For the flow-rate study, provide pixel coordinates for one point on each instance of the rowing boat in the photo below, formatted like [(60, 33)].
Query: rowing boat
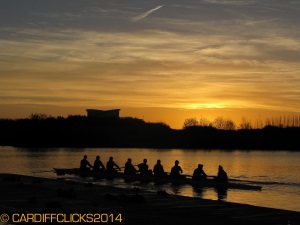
[(158, 180), (210, 182)]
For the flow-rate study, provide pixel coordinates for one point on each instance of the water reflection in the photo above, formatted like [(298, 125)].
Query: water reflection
[(199, 192), (203, 192), (246, 165), (176, 189), (221, 193)]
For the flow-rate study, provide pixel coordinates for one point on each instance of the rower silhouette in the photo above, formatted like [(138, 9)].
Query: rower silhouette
[(199, 173), (98, 165), (129, 168), (222, 175), (143, 168), (158, 169), (85, 164), (111, 166), (176, 170)]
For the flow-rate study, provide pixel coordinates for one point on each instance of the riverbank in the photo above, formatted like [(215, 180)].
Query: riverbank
[(84, 132), (35, 196)]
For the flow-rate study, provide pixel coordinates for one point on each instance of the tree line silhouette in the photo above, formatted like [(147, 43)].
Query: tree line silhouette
[(228, 124), (40, 130)]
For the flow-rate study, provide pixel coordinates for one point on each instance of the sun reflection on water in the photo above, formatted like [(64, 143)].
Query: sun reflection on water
[(281, 186)]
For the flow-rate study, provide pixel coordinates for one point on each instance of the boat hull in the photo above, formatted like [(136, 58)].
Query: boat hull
[(183, 180)]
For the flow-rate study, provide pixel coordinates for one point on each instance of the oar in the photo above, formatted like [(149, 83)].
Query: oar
[(187, 175), (44, 171), (247, 181), (124, 166)]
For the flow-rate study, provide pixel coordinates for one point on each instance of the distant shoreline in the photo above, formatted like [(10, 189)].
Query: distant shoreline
[(83, 132)]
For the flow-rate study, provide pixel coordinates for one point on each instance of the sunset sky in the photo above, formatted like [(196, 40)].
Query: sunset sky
[(161, 60)]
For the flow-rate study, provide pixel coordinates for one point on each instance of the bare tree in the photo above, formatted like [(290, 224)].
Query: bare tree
[(191, 122), (245, 124), (229, 125), (219, 122), (224, 124), (204, 122), (259, 123), (38, 116)]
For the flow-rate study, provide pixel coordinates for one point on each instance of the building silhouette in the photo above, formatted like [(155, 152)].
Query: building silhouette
[(96, 113)]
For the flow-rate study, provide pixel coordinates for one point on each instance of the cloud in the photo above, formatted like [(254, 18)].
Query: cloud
[(192, 56), (228, 2), (142, 16), (261, 21)]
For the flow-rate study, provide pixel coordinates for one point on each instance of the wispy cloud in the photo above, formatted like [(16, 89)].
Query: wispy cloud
[(229, 2), (261, 21), (142, 16), (192, 55)]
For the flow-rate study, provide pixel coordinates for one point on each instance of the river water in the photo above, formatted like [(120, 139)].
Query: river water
[(278, 172)]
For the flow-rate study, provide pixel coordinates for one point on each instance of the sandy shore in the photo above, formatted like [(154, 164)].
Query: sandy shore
[(37, 198)]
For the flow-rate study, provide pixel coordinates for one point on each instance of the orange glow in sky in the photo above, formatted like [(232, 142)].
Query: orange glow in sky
[(162, 61)]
